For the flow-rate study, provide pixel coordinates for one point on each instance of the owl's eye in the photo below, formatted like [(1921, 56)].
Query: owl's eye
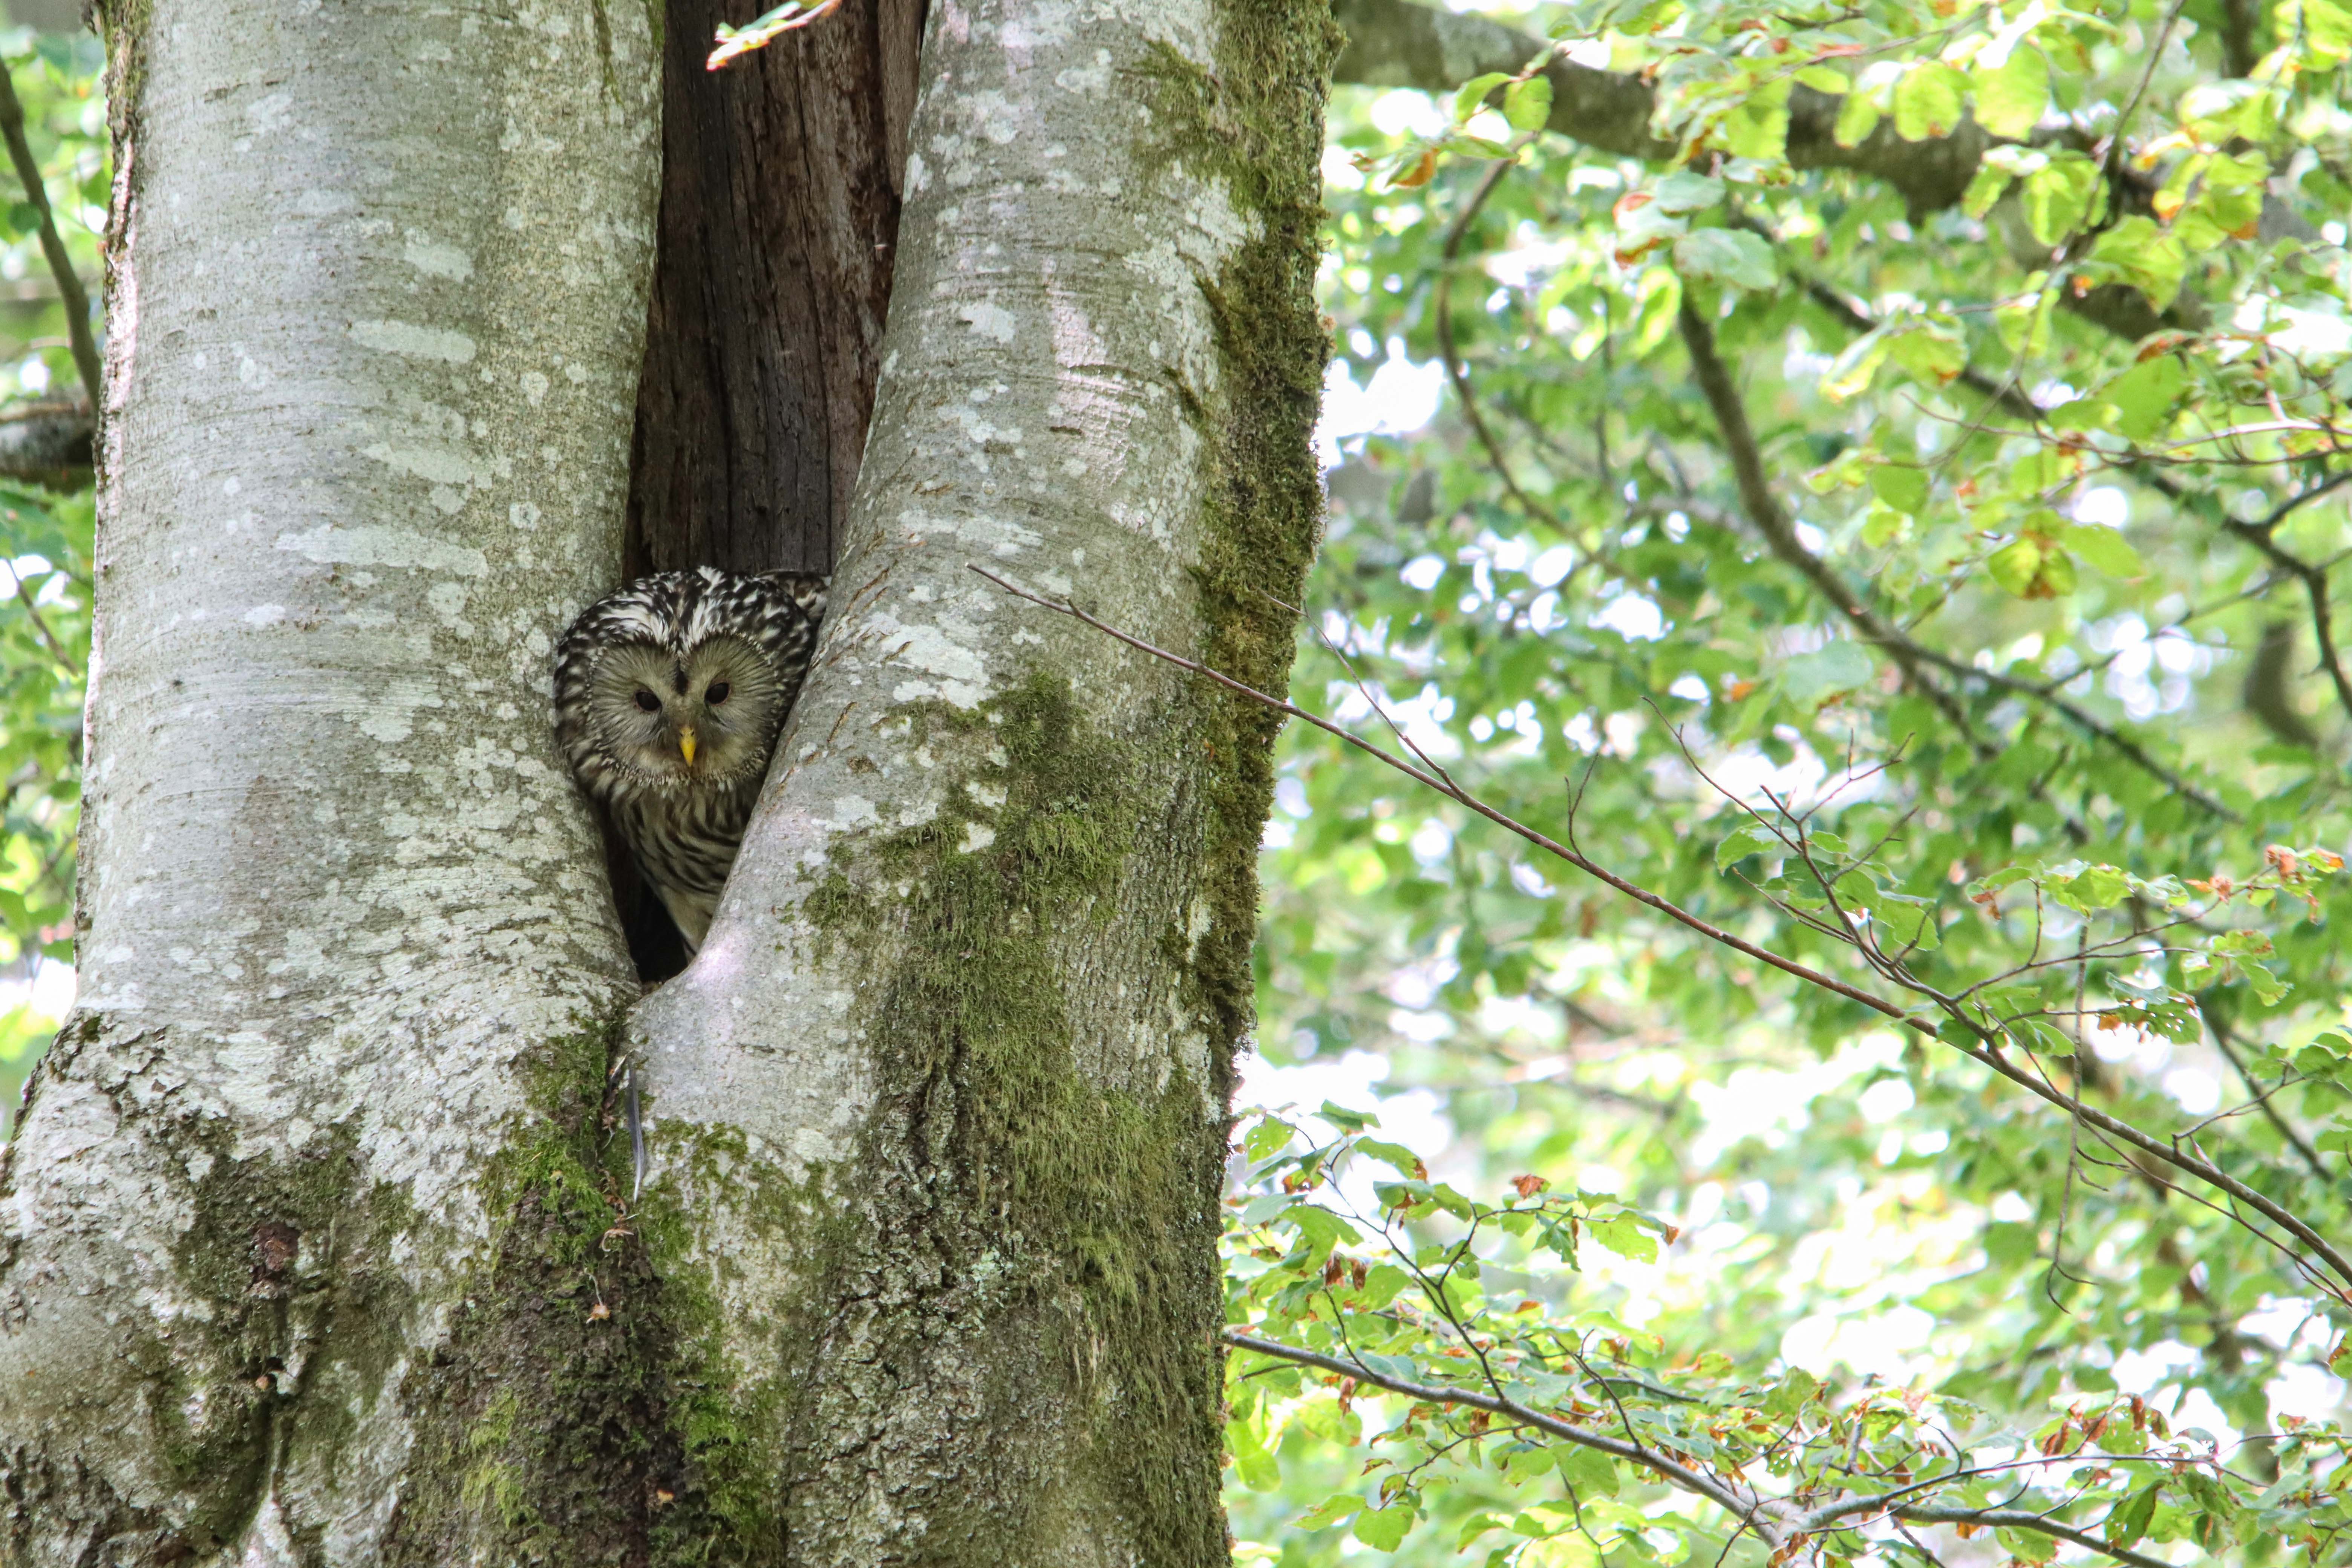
[(649, 702), (717, 692)]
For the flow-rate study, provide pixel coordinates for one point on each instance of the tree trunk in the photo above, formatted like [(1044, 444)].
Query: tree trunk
[(368, 388), (319, 1240), (938, 1112)]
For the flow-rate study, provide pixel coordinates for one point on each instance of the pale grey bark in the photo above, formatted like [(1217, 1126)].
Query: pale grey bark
[(930, 992), (315, 1195), (373, 336)]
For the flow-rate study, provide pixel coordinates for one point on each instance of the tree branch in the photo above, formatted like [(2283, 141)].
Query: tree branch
[(70, 292), (1979, 1045), (49, 639), (1763, 1512), (1771, 1515), (48, 444), (1765, 513), (2312, 575), (1396, 43)]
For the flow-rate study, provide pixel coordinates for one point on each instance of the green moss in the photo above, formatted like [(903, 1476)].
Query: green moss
[(553, 1432), (1254, 122), (1007, 1192), (543, 1433)]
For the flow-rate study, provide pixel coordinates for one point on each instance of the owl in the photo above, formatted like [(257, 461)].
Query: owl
[(669, 696)]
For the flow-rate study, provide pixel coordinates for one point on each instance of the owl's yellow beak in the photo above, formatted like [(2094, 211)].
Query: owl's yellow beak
[(686, 746)]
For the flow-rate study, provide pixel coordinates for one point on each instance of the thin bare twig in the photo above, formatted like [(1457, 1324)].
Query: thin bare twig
[(2227, 1045), (1977, 1041)]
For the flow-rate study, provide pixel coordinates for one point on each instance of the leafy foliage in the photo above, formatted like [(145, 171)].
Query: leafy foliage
[(45, 545), (1931, 593)]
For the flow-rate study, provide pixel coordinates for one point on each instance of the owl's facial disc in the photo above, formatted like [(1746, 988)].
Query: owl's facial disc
[(705, 718)]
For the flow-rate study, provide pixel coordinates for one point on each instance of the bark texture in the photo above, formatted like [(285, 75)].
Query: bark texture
[(938, 1112), (370, 382), (779, 228)]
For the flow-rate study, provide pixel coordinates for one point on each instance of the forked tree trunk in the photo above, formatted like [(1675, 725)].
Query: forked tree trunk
[(319, 1246)]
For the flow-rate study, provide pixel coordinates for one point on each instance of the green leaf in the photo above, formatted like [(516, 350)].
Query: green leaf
[(1384, 1530), (2011, 96), (1928, 102), (1825, 78), (2061, 196), (2150, 260), (1838, 666), (1751, 837), (1984, 189), (1406, 1162), (1267, 1136), (1589, 1470), (1471, 95), (2105, 549), (2013, 567), (1347, 1120), (1759, 127), (2321, 29), (1858, 116), (2127, 1522), (1730, 256), (1904, 489), (1931, 351), (2035, 567), (1856, 366), (1329, 1512), (1382, 1286), (1252, 1462), (1791, 1394), (2086, 889), (1625, 1236), (1683, 192), (1321, 1229), (2145, 396), (1527, 104)]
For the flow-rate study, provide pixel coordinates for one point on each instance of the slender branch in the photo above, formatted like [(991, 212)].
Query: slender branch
[(2227, 1044), (1768, 1514), (2311, 574), (1441, 308), (1854, 318), (1764, 512), (2019, 1519), (1980, 1046), (1914, 658), (70, 293), (57, 648), (1746, 1504)]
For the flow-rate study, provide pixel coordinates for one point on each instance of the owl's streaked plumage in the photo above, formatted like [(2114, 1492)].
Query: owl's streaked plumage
[(669, 696)]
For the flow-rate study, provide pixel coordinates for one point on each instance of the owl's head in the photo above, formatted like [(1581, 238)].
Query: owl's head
[(680, 681), (673, 718)]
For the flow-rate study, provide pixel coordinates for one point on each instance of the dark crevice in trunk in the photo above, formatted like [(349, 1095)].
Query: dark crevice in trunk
[(780, 185), (781, 191)]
